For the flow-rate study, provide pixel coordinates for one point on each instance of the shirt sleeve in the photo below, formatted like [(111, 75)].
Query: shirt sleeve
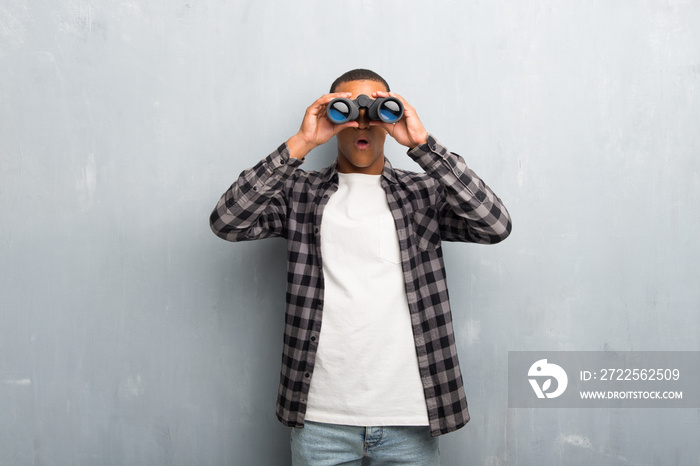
[(471, 211), (254, 207)]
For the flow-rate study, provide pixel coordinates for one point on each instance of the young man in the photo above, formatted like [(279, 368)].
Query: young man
[(370, 363)]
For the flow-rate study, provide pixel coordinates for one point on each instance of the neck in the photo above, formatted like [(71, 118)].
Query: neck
[(375, 168)]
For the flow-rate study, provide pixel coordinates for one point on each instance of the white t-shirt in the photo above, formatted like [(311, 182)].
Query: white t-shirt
[(366, 370)]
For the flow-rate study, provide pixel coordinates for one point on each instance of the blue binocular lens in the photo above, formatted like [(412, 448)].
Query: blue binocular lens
[(387, 109), (390, 111), (339, 111)]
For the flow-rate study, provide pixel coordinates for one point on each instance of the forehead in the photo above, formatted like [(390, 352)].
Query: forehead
[(364, 86)]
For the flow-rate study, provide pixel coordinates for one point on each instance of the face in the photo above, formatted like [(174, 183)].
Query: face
[(361, 149)]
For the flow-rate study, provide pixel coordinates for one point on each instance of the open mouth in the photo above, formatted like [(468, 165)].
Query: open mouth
[(362, 143)]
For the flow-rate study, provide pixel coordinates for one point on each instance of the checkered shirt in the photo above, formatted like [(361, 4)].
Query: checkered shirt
[(448, 202)]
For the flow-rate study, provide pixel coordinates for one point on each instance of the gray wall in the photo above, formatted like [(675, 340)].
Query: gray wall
[(131, 335)]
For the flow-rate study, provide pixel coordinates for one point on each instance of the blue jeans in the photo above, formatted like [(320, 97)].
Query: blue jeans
[(319, 444)]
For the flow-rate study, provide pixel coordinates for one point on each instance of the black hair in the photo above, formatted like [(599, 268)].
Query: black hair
[(358, 75)]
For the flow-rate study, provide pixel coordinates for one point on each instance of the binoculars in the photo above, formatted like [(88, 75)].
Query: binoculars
[(387, 109)]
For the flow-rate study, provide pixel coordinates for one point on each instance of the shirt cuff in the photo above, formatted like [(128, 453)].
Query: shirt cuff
[(280, 163), (423, 153)]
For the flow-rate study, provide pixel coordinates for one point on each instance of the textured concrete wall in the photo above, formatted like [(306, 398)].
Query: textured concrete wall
[(129, 334)]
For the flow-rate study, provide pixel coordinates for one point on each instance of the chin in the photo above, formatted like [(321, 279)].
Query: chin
[(362, 162)]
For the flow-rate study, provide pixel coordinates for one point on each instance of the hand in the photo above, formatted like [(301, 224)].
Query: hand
[(408, 131), (316, 128)]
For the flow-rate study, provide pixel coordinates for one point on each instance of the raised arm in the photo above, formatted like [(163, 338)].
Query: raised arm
[(470, 211), (254, 207)]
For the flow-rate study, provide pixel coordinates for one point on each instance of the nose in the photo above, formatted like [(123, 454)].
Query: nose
[(363, 119)]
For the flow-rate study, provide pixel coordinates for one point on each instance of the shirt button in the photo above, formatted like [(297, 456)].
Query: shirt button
[(307, 375), (313, 338)]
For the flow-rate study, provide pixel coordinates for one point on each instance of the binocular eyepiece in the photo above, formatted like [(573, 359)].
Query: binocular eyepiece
[(387, 109)]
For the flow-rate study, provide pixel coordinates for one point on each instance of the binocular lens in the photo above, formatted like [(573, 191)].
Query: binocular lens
[(338, 111), (341, 110), (391, 111)]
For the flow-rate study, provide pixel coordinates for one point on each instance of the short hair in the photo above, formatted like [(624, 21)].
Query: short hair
[(359, 74)]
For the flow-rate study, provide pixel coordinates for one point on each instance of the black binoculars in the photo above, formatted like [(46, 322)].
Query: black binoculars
[(387, 109)]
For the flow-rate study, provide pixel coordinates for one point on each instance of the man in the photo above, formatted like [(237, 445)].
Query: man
[(370, 363)]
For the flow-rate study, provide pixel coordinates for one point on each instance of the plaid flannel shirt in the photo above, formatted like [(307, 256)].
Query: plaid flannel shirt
[(448, 202)]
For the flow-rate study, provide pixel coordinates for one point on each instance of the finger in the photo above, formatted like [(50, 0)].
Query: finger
[(324, 100), (407, 107), (381, 123), (388, 94), (388, 127), (349, 124)]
